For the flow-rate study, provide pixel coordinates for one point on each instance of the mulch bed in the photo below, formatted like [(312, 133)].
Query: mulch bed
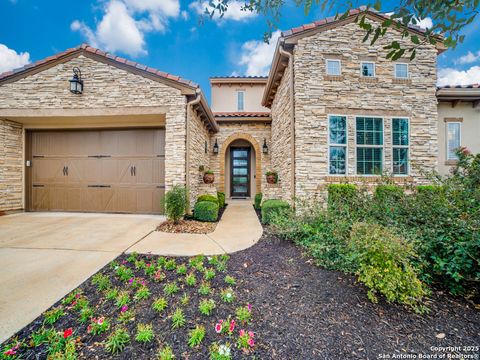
[(300, 311), (191, 226)]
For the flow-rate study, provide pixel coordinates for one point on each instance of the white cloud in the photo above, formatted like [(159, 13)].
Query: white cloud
[(257, 56), (450, 76), (469, 58), (10, 59), (234, 11), (426, 23), (184, 15), (125, 22)]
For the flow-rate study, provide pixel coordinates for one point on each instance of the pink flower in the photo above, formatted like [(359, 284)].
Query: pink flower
[(250, 342), (10, 352), (242, 332), (124, 308), (143, 282), (148, 265), (124, 262), (221, 321), (131, 280), (249, 307), (250, 333), (67, 333), (77, 295), (89, 329), (74, 303), (232, 326), (218, 328), (100, 320)]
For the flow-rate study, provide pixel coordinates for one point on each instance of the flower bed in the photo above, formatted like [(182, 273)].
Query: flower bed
[(144, 307)]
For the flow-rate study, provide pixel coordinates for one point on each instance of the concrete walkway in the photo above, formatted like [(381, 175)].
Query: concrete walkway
[(238, 230)]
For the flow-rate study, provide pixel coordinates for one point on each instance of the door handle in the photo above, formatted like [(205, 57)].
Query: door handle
[(63, 171), (131, 170), (134, 171), (66, 170)]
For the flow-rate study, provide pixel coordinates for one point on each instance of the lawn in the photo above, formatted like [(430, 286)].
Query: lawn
[(297, 311)]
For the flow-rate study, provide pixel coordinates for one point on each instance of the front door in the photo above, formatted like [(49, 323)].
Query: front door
[(240, 172)]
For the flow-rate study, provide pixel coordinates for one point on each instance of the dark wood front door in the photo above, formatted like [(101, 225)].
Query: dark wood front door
[(240, 172)]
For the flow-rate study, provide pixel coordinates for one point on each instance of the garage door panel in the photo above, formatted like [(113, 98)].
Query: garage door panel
[(159, 143), (40, 198), (45, 170), (158, 166)]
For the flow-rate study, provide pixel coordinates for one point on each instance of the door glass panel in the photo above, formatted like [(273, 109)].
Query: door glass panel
[(240, 153), (240, 162), (240, 171)]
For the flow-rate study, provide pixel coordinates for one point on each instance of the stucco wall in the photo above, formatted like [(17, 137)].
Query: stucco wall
[(469, 130), (11, 168), (105, 86), (224, 97), (317, 96), (282, 138)]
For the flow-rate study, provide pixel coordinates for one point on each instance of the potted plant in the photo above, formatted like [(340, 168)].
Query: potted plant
[(272, 177), (208, 177)]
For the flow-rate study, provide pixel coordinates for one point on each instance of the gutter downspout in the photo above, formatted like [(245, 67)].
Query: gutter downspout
[(190, 105), (283, 52)]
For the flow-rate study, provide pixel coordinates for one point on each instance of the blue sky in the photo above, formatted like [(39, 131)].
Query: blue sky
[(165, 34)]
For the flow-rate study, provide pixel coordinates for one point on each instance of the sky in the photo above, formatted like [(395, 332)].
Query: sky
[(167, 35)]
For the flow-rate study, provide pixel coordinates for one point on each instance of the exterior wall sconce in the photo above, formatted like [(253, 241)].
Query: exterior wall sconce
[(206, 147), (215, 147), (76, 84), (265, 147)]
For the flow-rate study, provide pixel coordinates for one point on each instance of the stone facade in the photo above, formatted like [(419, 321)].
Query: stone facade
[(11, 166), (282, 138), (317, 96)]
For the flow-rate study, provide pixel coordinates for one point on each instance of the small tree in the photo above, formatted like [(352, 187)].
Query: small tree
[(176, 203)]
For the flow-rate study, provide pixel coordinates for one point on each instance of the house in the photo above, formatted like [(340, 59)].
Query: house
[(85, 130)]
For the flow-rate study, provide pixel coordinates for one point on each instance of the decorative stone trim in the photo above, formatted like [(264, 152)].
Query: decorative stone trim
[(368, 79), (402, 81), (452, 119), (333, 78)]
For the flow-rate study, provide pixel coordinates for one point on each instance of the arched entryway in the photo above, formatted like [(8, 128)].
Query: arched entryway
[(240, 166)]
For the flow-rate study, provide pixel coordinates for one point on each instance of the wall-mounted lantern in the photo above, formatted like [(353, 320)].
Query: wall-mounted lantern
[(76, 84), (215, 147), (206, 147), (265, 147)]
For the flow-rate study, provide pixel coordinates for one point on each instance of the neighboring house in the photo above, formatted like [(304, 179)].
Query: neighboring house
[(332, 109)]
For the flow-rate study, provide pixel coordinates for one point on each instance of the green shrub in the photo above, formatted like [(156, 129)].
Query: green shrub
[(272, 207), (176, 203), (342, 196), (207, 197), (388, 192), (430, 190), (221, 199), (206, 211), (384, 265), (258, 201)]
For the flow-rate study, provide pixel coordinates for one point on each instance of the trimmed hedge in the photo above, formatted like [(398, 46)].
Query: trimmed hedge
[(390, 192), (207, 197), (272, 207), (221, 199), (206, 211), (341, 194), (258, 201), (430, 189)]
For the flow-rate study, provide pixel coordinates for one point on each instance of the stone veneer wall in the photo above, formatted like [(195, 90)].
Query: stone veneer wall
[(105, 86), (282, 138), (11, 169), (198, 157), (317, 96), (229, 131)]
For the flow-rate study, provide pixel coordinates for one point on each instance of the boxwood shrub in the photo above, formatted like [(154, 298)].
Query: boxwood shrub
[(221, 199), (272, 207), (206, 211), (207, 197), (388, 192), (341, 195), (258, 201)]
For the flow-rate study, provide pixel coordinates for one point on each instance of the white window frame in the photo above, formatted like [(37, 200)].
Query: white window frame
[(238, 100), (339, 68), (333, 144), (370, 146), (402, 146), (398, 77), (374, 69), (447, 124)]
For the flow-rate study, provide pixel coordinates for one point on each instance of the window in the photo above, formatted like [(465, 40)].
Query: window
[(401, 71), (240, 100), (368, 69), (453, 139), (333, 67), (337, 139), (400, 142), (369, 138)]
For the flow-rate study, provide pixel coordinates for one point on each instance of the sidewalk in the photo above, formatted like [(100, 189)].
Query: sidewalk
[(238, 229)]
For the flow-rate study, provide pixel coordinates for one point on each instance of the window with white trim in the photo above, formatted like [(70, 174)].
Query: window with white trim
[(400, 143), (240, 100), (367, 69), (401, 71), (369, 140), (333, 67), (453, 139), (337, 140)]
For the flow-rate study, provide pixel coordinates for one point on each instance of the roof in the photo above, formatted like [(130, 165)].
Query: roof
[(289, 39), (238, 79), (471, 86), (187, 87), (456, 93), (244, 116)]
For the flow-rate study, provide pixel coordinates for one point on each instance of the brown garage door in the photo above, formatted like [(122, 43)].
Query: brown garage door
[(98, 171)]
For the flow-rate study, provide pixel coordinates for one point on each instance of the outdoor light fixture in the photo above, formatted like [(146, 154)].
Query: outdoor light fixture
[(76, 84), (265, 147), (206, 147), (215, 147)]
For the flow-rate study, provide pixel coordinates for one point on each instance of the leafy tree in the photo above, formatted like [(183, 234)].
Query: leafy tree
[(449, 18)]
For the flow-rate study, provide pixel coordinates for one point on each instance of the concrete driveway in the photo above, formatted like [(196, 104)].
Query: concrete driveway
[(43, 256)]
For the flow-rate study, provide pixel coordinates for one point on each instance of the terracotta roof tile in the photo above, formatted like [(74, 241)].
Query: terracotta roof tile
[(470, 86), (241, 114)]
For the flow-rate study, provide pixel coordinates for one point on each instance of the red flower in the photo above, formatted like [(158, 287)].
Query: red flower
[(67, 333), (232, 326)]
